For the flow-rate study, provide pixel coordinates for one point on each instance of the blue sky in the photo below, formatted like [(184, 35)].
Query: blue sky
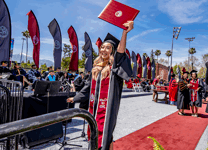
[(153, 27)]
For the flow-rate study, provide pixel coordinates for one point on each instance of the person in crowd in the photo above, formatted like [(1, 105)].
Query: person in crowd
[(183, 99), (4, 67), (51, 76), (45, 74), (154, 83), (76, 74), (196, 90), (165, 83), (129, 84), (136, 80), (70, 76), (145, 85), (104, 87), (87, 75), (32, 74), (20, 75), (59, 75), (173, 89), (79, 82), (4, 70)]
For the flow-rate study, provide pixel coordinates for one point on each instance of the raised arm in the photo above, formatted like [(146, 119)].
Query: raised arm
[(122, 45)]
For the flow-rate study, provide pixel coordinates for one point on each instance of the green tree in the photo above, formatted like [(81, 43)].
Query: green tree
[(67, 57), (157, 53), (168, 54), (43, 67)]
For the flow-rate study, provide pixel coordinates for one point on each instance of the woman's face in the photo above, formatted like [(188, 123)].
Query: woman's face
[(105, 50), (194, 75)]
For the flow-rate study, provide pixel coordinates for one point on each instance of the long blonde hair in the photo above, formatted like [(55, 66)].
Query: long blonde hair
[(105, 69)]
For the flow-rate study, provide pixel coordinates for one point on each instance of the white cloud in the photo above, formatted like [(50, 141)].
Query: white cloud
[(183, 11), (96, 2), (143, 34)]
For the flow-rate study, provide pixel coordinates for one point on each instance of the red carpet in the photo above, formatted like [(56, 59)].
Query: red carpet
[(173, 132)]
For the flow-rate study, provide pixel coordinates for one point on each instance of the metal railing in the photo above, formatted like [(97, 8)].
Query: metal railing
[(25, 125), (15, 102)]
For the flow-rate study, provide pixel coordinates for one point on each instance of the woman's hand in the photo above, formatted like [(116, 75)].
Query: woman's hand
[(188, 85), (70, 100), (129, 25), (198, 89)]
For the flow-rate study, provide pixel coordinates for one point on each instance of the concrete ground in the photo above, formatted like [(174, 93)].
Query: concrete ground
[(137, 110)]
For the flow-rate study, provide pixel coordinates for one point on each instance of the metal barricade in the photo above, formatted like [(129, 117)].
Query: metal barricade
[(25, 125), (14, 108), (4, 99), (16, 100)]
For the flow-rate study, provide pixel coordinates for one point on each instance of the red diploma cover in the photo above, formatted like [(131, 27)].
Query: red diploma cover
[(117, 13), (194, 86)]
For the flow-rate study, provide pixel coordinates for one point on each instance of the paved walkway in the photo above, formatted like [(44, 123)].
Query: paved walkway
[(136, 111)]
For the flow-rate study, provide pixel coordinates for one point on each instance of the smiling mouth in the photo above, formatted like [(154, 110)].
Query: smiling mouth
[(104, 54)]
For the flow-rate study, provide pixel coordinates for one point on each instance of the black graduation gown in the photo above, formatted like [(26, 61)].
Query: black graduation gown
[(183, 99), (121, 69)]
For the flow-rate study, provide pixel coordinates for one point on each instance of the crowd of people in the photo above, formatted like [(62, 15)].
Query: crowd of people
[(30, 77), (146, 83)]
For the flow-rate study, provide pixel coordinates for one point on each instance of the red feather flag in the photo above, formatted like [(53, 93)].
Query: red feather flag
[(184, 70), (75, 47), (99, 43), (127, 52), (139, 70), (148, 68), (35, 36), (171, 70)]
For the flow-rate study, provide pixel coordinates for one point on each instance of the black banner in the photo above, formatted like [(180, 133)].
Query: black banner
[(57, 51), (5, 32), (88, 52)]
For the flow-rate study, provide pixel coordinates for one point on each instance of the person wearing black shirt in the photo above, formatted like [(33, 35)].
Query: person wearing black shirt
[(87, 75), (59, 75), (70, 76), (79, 82), (20, 75)]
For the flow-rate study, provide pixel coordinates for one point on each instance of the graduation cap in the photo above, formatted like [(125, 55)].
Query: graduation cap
[(112, 40), (185, 72), (4, 62), (51, 71), (193, 71)]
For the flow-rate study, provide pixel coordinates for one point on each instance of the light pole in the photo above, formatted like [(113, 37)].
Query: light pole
[(176, 31), (189, 39), (22, 49)]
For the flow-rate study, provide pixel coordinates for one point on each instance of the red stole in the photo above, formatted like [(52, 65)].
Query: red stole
[(194, 92), (101, 107)]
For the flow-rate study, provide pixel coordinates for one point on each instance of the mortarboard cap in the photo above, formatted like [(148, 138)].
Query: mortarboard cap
[(185, 72), (111, 39), (193, 71), (51, 71), (4, 62)]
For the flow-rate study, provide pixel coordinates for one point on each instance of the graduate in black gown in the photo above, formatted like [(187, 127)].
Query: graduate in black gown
[(195, 94), (183, 99), (104, 86)]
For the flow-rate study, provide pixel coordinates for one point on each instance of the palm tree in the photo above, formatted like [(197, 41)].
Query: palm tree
[(157, 53), (192, 51), (168, 54), (26, 34), (145, 54)]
